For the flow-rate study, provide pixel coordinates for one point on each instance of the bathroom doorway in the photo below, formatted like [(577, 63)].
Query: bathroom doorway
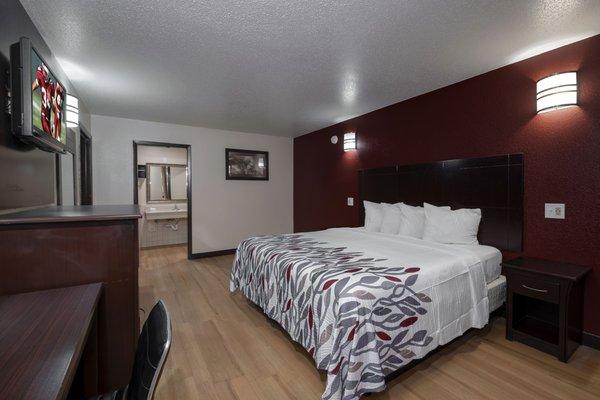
[(162, 188)]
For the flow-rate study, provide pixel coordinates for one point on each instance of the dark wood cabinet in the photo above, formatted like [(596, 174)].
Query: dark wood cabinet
[(545, 304), (74, 245)]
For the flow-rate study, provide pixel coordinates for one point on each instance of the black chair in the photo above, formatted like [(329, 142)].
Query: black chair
[(150, 355)]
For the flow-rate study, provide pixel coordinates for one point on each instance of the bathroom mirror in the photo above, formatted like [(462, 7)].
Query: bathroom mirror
[(166, 182)]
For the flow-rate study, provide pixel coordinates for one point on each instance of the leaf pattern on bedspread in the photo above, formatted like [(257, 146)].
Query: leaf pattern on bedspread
[(354, 316)]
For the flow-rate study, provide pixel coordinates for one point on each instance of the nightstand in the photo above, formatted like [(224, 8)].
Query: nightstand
[(545, 304)]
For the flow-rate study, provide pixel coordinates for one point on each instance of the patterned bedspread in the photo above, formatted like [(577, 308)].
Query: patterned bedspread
[(362, 304)]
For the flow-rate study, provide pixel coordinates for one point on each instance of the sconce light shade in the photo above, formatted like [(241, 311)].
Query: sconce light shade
[(557, 91), (72, 111), (349, 141)]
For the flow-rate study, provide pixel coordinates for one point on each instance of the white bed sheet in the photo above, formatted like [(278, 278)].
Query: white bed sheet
[(490, 257)]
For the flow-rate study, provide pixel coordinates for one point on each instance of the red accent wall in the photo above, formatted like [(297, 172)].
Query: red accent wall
[(489, 114)]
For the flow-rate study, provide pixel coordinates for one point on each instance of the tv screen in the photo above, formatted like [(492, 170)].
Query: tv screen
[(47, 101), (38, 100)]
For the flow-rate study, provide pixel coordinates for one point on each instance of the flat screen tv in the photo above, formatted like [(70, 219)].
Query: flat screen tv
[(38, 100)]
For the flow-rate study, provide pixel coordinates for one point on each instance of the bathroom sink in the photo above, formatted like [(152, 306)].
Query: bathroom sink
[(165, 212)]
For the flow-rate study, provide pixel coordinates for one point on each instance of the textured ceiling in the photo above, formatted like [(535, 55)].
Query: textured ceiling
[(289, 67)]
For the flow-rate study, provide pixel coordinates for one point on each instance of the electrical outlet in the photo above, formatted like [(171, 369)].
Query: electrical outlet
[(555, 211), (350, 201)]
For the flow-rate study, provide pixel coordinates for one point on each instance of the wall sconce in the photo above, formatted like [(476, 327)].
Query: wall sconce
[(349, 141), (557, 91), (72, 111)]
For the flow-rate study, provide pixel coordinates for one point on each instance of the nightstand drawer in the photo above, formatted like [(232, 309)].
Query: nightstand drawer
[(536, 288)]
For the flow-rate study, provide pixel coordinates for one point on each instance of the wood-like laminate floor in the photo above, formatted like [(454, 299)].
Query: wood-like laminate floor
[(225, 348)]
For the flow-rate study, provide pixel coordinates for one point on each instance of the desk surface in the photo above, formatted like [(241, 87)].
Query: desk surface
[(42, 337), (72, 214)]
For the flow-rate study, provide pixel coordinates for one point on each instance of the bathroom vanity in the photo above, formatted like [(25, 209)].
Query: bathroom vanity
[(162, 193)]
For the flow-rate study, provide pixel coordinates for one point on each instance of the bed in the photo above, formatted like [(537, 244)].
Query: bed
[(365, 304)]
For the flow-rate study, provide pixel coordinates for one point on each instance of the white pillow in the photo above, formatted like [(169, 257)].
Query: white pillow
[(412, 222), (391, 218), (451, 227), (373, 216)]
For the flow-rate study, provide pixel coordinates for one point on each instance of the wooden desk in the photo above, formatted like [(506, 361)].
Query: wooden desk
[(56, 247), (42, 338)]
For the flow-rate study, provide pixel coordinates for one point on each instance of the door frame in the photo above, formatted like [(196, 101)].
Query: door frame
[(188, 148), (58, 177), (85, 136)]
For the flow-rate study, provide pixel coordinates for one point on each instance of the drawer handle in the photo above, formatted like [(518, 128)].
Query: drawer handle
[(534, 289)]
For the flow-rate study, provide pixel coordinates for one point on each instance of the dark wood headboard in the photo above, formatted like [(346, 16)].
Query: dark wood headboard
[(493, 184)]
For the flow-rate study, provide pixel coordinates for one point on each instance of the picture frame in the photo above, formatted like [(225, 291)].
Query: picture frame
[(246, 165)]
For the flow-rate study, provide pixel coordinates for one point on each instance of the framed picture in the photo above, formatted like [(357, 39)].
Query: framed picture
[(246, 165)]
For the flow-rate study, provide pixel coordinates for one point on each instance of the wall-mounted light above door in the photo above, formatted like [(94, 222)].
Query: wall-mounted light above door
[(556, 91), (349, 141), (72, 111)]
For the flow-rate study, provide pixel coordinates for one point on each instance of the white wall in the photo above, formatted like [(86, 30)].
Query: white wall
[(162, 155), (223, 212), (67, 179)]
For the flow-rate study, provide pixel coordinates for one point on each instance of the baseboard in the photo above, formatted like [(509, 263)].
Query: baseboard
[(163, 246), (590, 340), (217, 253)]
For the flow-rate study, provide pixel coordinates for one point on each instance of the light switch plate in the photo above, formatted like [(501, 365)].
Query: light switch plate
[(350, 201), (555, 211)]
